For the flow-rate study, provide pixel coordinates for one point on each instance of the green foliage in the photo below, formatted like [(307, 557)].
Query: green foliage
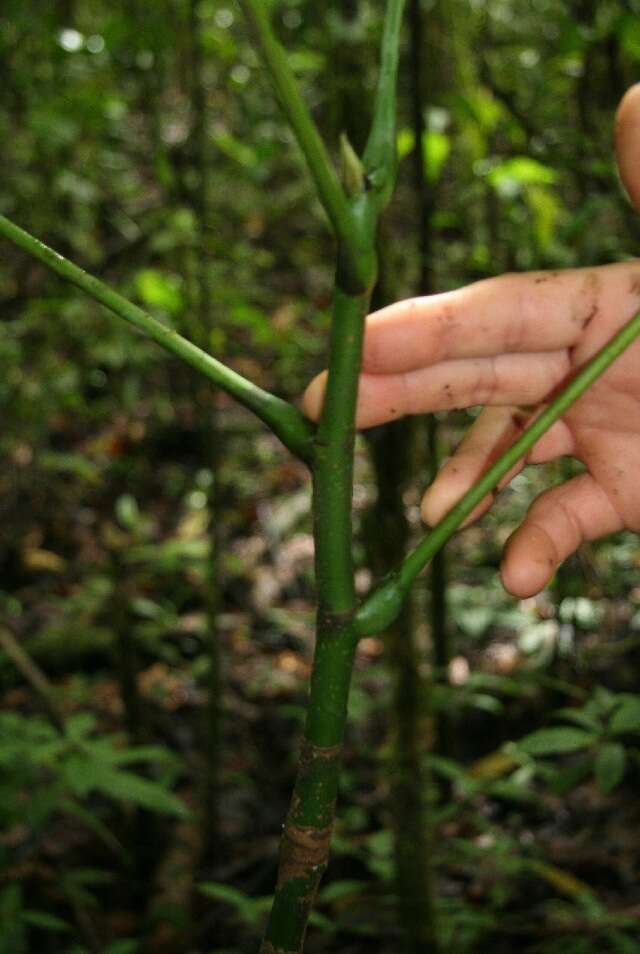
[(556, 741), (43, 770), (100, 434), (249, 910), (603, 716), (16, 919)]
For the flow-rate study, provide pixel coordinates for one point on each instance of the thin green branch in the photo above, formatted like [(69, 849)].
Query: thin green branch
[(385, 602), (330, 191), (380, 155), (285, 421), (33, 675)]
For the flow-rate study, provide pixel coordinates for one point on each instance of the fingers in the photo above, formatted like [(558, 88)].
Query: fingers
[(505, 379), (313, 397), (516, 313), (494, 430), (490, 434), (557, 523), (627, 136)]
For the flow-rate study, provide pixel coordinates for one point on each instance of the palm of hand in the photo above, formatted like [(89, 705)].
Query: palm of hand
[(514, 341)]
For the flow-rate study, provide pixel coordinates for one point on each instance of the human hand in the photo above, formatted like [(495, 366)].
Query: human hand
[(510, 342)]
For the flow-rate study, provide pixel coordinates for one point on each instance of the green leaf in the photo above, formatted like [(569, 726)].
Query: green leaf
[(127, 511), (147, 608), (579, 717), (123, 946), (127, 787), (629, 33), (144, 753), (509, 177), (435, 152), (223, 892), (626, 718), (75, 465), (610, 765), (480, 107), (338, 890), (159, 290), (321, 922), (78, 774), (255, 321), (79, 726), (556, 741), (546, 211), (47, 922), (405, 142), (249, 909)]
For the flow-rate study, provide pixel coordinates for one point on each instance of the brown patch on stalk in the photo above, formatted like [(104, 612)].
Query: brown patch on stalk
[(303, 853), (311, 752), (305, 849)]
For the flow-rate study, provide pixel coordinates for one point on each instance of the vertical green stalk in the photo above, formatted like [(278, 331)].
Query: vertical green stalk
[(209, 430), (307, 831)]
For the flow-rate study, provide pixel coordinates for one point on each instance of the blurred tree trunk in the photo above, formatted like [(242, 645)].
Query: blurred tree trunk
[(397, 455), (393, 453), (400, 451), (209, 431), (426, 197)]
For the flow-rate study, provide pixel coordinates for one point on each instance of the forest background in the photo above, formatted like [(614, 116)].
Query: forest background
[(156, 594)]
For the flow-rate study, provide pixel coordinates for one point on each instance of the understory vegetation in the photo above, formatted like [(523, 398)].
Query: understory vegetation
[(157, 588)]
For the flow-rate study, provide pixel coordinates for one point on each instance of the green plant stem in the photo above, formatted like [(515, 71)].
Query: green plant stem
[(285, 421), (333, 458), (384, 603), (380, 156), (307, 832), (329, 189)]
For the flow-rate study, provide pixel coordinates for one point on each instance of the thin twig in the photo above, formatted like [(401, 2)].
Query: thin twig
[(283, 418), (33, 675)]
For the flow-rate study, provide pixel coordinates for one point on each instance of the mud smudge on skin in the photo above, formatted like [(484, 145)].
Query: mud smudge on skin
[(519, 420), (634, 286), (588, 318)]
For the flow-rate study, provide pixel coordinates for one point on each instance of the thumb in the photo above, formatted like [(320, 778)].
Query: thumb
[(627, 136)]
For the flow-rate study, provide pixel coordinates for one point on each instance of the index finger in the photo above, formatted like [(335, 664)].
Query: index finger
[(529, 312)]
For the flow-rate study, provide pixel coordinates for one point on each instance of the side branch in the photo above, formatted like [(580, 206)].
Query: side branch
[(330, 191), (383, 605), (380, 158), (283, 418)]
